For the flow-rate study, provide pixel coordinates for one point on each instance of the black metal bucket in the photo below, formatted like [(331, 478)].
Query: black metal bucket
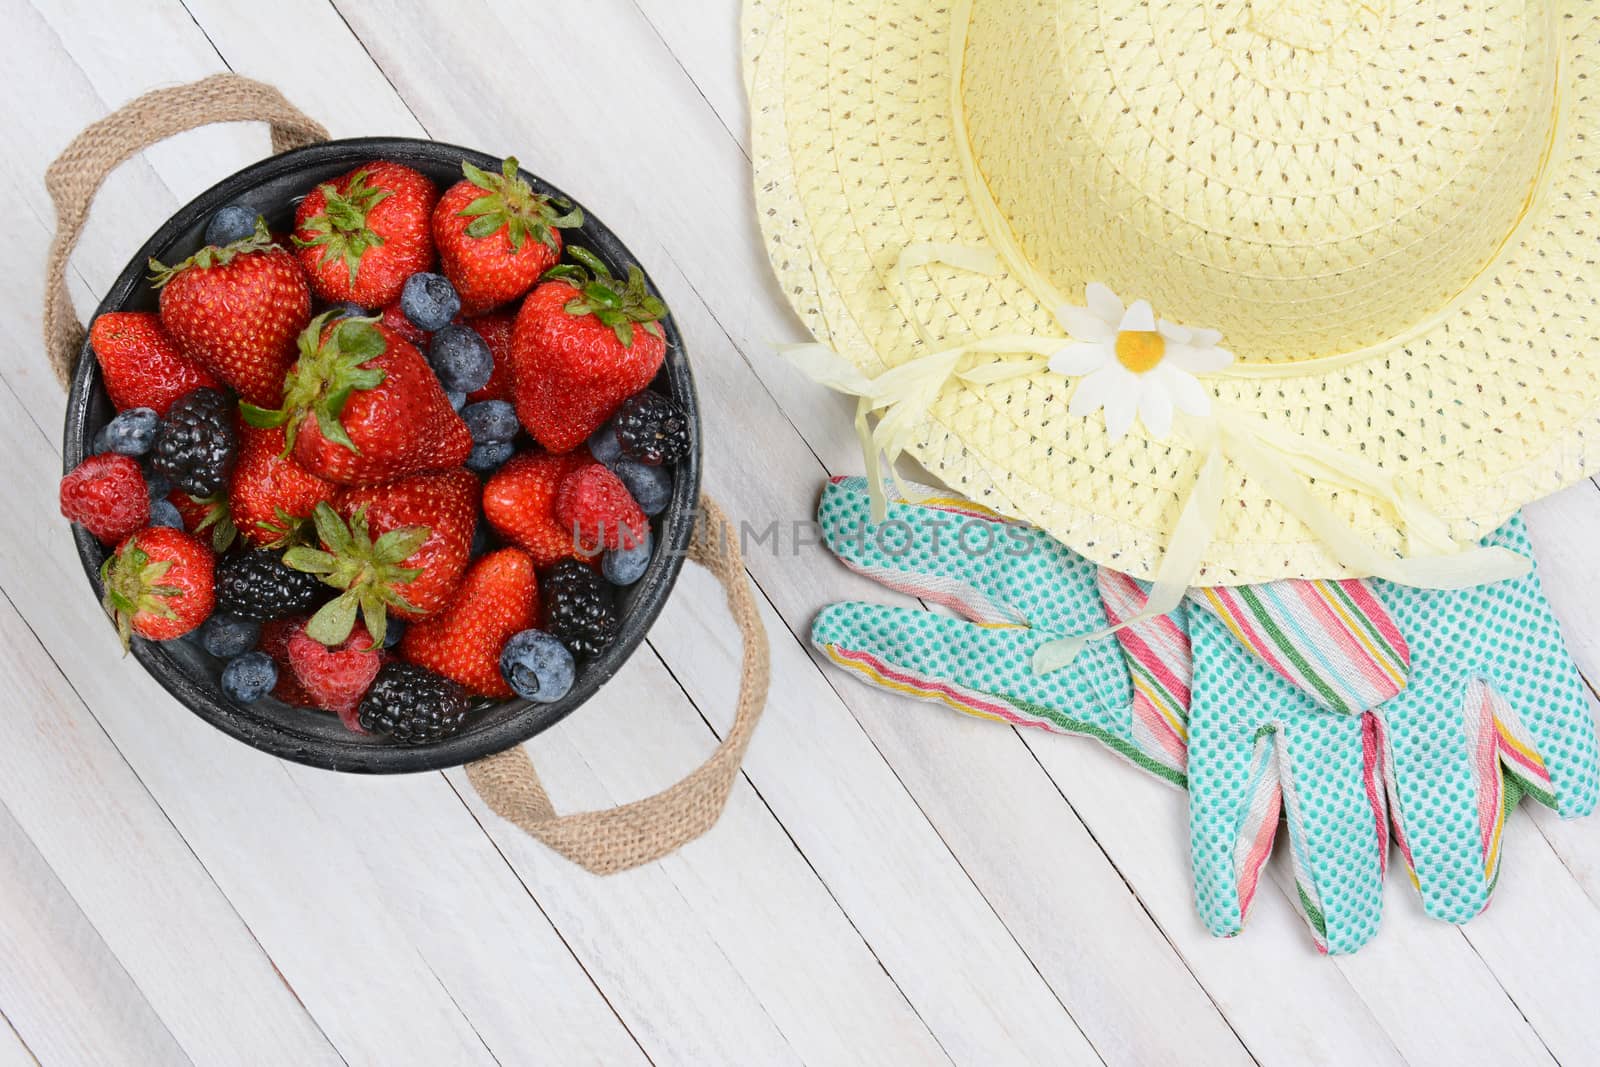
[(272, 188)]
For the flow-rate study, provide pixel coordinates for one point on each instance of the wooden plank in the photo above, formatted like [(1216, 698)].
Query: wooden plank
[(573, 1021), (731, 950), (334, 919), (1112, 977), (1053, 945), (693, 32), (842, 980), (112, 847), (707, 165), (13, 1051), (407, 62), (53, 965), (1538, 937)]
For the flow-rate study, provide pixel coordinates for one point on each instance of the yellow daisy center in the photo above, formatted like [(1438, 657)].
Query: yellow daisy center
[(1140, 350)]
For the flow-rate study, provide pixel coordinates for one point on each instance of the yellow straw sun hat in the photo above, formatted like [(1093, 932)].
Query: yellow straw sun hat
[(1216, 292)]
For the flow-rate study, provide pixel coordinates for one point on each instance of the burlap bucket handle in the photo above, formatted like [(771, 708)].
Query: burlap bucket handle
[(77, 173), (604, 842)]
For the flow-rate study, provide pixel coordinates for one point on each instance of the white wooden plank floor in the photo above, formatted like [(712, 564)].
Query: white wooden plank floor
[(889, 884)]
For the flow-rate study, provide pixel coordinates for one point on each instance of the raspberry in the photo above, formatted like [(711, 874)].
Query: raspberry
[(335, 678), (107, 495), (596, 507), (275, 637)]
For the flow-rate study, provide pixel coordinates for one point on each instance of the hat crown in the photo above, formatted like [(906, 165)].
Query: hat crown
[(1310, 177)]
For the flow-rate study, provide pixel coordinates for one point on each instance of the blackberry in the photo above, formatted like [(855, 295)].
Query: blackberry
[(259, 585), (653, 429), (578, 608), (197, 443), (412, 705)]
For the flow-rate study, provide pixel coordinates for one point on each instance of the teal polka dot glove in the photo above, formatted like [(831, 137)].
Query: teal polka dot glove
[(1494, 709), (1013, 588)]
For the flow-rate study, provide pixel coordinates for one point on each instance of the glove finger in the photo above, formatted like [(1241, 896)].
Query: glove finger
[(1335, 810), (963, 557), (1457, 762), (984, 671), (1258, 746), (1547, 734), (1235, 799)]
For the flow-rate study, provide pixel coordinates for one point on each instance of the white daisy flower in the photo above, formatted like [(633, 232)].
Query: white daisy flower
[(1133, 364)]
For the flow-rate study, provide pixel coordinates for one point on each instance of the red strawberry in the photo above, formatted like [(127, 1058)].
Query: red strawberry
[(206, 513), (141, 363), (396, 320), (362, 406), (107, 495), (598, 512), (335, 679), (363, 234), (238, 309), (403, 545), (158, 584), (272, 496), (581, 347), (499, 597), (495, 330), (520, 503), (496, 235), (275, 637)]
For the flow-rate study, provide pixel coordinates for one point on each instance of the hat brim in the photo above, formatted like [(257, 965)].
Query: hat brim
[(1494, 404)]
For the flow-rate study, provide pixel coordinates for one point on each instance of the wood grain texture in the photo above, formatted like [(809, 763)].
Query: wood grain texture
[(890, 884)]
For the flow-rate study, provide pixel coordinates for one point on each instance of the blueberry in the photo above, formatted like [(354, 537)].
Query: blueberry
[(457, 398), (233, 223), (130, 433), (429, 301), (651, 487), (249, 677), (480, 540), (348, 309), (159, 484), (461, 359), (537, 666), (604, 445), (226, 636), (491, 420), (624, 566), (394, 629), (489, 456), (164, 512)]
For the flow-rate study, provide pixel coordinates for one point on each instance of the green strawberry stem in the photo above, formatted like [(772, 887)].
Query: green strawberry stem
[(132, 584), (214, 255), (218, 518), (329, 369), (509, 202), (367, 573), (341, 231), (619, 307), (286, 530)]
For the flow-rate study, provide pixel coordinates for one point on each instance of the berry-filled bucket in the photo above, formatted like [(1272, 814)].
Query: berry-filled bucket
[(272, 189)]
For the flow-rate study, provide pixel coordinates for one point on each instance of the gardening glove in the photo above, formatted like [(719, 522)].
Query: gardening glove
[(1351, 707), (1014, 588)]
